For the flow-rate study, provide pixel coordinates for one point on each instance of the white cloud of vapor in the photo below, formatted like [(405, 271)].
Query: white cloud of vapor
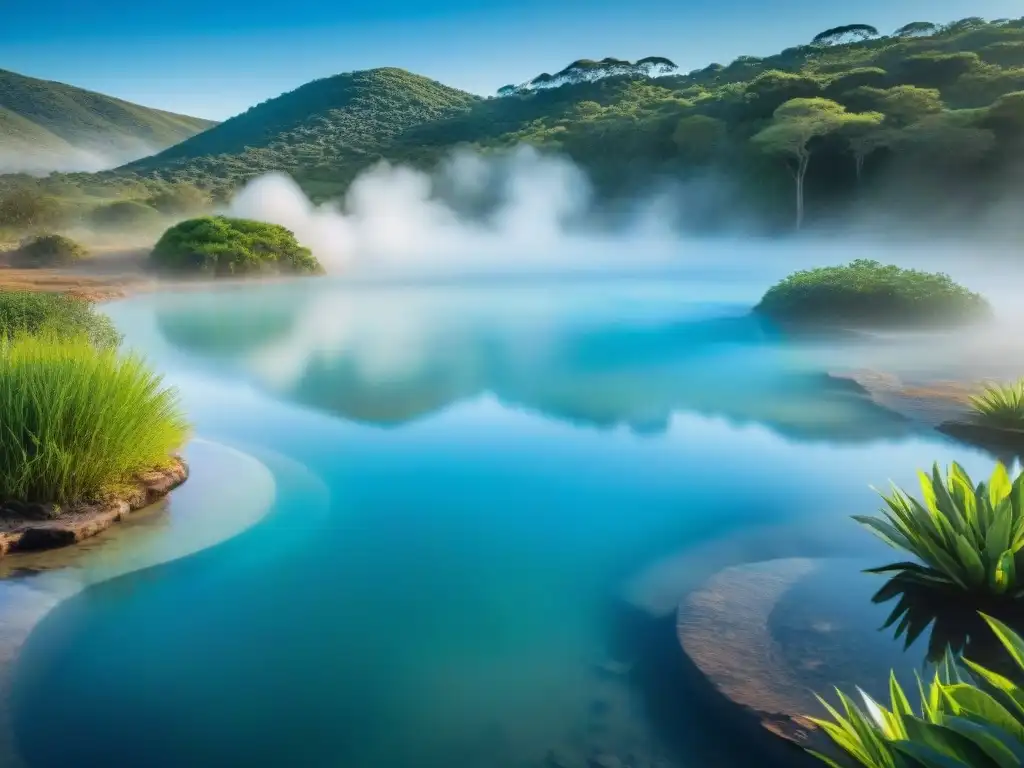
[(515, 210)]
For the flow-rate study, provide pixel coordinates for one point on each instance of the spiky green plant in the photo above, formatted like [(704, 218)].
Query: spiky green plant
[(969, 720), (967, 537), (77, 422), (1000, 405)]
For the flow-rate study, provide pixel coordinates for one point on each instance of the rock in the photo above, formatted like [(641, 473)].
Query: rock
[(42, 511)]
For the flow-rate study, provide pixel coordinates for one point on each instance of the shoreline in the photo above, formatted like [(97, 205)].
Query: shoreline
[(82, 521)]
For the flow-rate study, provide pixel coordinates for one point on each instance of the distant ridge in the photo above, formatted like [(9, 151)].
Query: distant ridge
[(344, 117), (49, 126)]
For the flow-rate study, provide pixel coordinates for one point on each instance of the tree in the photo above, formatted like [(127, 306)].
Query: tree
[(901, 105), (964, 25), (865, 136), (506, 90), (1006, 115), (794, 125), (937, 70), (848, 33), (947, 139), (917, 29), (770, 90), (1008, 53), (874, 77), (26, 207), (699, 138), (652, 66)]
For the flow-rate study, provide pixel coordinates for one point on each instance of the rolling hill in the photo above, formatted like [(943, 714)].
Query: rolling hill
[(345, 121), (48, 126)]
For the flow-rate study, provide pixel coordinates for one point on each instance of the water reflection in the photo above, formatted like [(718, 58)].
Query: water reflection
[(387, 357)]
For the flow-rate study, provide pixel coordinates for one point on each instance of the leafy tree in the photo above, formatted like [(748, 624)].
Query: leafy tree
[(652, 66), (125, 214), (861, 77), (1006, 53), (26, 207), (771, 89), (180, 199), (223, 246), (699, 138), (946, 139), (847, 33), (794, 125), (937, 70), (1006, 115), (901, 105), (917, 29), (865, 135), (964, 25), (50, 251), (506, 90)]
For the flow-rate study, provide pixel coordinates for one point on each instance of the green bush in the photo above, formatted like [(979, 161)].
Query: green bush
[(221, 246), (180, 199), (1000, 405), (80, 423), (967, 538), (968, 719), (55, 315), (866, 293), (50, 250), (125, 214)]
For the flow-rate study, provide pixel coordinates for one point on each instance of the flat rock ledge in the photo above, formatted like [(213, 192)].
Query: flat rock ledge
[(723, 629), (82, 521)]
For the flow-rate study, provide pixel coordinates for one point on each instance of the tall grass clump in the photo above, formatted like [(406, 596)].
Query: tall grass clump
[(968, 538), (970, 718), (55, 315), (79, 423), (1000, 405)]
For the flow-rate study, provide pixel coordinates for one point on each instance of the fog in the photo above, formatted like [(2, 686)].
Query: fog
[(37, 161), (520, 210)]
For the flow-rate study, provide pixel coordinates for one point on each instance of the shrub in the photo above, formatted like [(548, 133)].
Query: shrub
[(125, 214), (26, 208), (868, 293), (1001, 405), (180, 199), (968, 719), (218, 245), (50, 250), (80, 423), (968, 537), (55, 315)]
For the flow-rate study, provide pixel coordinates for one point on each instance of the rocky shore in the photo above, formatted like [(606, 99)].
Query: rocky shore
[(28, 527)]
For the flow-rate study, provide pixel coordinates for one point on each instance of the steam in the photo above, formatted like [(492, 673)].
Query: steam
[(515, 210), (67, 158)]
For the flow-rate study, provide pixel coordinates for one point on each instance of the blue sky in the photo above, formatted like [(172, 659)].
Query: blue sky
[(215, 58)]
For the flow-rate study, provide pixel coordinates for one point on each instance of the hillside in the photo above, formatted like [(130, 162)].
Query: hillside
[(48, 126), (336, 124), (921, 126)]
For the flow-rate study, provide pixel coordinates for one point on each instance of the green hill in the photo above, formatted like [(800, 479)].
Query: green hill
[(52, 126), (924, 124), (336, 124)]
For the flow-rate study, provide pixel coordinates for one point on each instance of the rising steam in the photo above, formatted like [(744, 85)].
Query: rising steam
[(520, 209)]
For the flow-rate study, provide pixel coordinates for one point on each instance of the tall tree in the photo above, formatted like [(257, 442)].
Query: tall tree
[(848, 33), (794, 126), (865, 135), (917, 29)]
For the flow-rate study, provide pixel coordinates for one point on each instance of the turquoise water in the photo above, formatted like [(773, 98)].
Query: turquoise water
[(473, 481)]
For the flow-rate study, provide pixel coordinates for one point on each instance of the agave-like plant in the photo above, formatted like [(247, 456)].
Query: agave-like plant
[(1001, 405), (967, 537), (973, 719)]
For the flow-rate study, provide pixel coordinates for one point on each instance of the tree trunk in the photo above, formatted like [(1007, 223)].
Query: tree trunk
[(859, 159), (801, 172)]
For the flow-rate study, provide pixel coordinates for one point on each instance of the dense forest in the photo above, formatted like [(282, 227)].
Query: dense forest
[(923, 124)]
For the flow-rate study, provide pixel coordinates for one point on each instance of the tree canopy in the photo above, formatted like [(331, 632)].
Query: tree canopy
[(848, 33)]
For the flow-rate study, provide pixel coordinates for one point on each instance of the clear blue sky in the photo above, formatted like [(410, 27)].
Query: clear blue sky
[(215, 58)]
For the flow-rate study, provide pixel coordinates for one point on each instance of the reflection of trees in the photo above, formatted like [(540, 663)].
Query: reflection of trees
[(392, 360)]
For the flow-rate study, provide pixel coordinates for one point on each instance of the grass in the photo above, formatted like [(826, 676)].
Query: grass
[(80, 423), (1000, 405), (867, 293), (973, 719), (56, 315)]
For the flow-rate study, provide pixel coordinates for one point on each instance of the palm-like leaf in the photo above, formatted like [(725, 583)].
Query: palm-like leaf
[(1001, 405), (966, 536), (966, 721)]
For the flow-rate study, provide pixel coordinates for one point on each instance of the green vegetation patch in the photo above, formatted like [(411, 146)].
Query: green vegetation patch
[(55, 315), (867, 293), (222, 246), (126, 214), (1000, 405), (80, 423), (50, 251)]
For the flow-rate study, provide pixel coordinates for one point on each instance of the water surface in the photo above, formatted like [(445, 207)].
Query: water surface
[(500, 462)]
